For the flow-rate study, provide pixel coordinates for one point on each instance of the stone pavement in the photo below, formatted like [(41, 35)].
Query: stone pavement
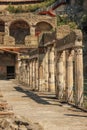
[(42, 108)]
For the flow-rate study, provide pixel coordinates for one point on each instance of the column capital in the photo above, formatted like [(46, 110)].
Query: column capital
[(69, 55), (78, 51)]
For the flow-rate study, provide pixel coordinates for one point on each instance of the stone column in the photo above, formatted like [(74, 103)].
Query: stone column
[(6, 29), (69, 76), (28, 74), (51, 70), (37, 76), (24, 71), (21, 71), (33, 74), (56, 73), (41, 76), (78, 77), (60, 74), (64, 75), (17, 67), (31, 67), (46, 69)]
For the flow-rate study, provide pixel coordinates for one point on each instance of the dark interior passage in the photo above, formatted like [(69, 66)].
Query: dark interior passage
[(10, 72)]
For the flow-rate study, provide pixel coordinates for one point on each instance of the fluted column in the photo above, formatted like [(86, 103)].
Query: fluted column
[(28, 73), (78, 76), (31, 74), (37, 85), (69, 76), (60, 74), (46, 69), (40, 77), (24, 65), (25, 73), (21, 71), (41, 74), (51, 70), (64, 75)]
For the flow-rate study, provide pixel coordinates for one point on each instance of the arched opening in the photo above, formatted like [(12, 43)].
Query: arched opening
[(19, 30), (2, 26), (42, 27)]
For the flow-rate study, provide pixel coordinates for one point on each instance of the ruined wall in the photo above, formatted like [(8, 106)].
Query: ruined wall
[(23, 28)]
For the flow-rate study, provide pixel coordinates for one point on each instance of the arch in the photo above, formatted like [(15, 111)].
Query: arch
[(43, 27), (19, 29), (2, 26)]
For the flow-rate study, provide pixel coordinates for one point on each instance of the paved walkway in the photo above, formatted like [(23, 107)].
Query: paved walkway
[(42, 108)]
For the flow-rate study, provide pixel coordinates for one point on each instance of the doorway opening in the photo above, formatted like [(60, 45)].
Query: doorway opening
[(10, 72)]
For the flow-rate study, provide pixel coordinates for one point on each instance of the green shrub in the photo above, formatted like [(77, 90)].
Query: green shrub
[(30, 8), (64, 20)]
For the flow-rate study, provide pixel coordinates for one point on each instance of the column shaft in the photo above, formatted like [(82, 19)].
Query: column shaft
[(30, 74), (24, 76), (78, 77), (69, 76), (28, 69), (37, 78), (46, 70), (51, 70), (60, 76)]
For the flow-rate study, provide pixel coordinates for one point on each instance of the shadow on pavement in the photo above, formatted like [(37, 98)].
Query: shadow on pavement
[(75, 115), (32, 95)]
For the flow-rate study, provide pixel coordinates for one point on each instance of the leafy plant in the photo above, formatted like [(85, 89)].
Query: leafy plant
[(30, 7), (64, 20)]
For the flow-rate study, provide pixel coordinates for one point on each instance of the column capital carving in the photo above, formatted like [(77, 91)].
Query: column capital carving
[(78, 51)]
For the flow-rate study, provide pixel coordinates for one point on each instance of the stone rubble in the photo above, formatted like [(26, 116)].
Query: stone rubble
[(18, 123), (9, 121)]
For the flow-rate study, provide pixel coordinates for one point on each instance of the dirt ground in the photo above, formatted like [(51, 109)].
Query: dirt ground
[(42, 108)]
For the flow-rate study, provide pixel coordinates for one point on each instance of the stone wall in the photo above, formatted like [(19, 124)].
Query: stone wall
[(23, 28), (7, 60)]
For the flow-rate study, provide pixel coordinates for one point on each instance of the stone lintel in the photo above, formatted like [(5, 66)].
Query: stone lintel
[(68, 47)]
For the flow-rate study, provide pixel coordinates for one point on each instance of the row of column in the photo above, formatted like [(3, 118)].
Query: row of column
[(28, 73), (50, 65), (46, 69), (56, 71), (69, 76)]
